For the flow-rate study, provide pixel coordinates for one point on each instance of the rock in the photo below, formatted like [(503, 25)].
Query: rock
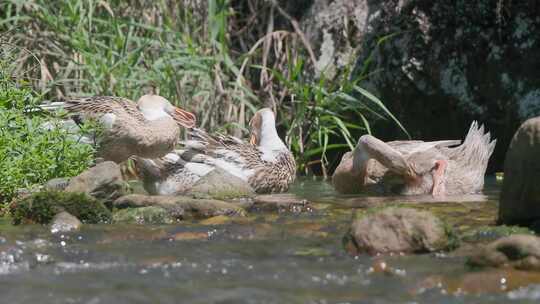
[(103, 181), (181, 207), (280, 203), (520, 195), (519, 251), (398, 230), (41, 207), (57, 184), (64, 222), (218, 184), (144, 215)]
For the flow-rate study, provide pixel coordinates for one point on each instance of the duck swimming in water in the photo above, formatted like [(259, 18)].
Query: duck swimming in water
[(415, 167), (148, 128), (264, 162)]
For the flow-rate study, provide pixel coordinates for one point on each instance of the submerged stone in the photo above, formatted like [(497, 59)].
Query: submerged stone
[(399, 230), (64, 222), (181, 207), (42, 206), (491, 233), (518, 251), (143, 215), (280, 203)]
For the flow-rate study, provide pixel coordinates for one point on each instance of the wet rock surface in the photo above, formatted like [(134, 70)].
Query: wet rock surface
[(280, 203), (520, 195), (398, 230), (64, 222), (517, 251), (181, 207), (219, 184), (103, 181), (143, 215)]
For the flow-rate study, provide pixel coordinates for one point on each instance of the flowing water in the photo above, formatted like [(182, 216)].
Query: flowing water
[(264, 258)]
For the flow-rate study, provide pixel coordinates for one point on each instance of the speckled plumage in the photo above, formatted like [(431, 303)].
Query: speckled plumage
[(267, 169), (126, 130)]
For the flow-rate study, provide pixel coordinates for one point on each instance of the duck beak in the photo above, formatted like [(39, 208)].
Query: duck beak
[(253, 139), (184, 118)]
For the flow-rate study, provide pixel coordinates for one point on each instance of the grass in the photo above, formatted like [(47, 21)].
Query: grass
[(220, 59)]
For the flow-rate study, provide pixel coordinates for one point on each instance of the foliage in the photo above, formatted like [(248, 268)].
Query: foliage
[(42, 206), (222, 59), (30, 152)]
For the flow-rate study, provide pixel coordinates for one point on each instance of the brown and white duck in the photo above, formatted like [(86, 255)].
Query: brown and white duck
[(264, 163), (415, 167), (148, 128)]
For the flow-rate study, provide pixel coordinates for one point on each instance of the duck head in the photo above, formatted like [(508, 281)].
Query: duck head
[(429, 174), (155, 107)]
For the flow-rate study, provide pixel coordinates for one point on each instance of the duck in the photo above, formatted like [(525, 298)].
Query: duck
[(438, 168), (148, 128), (264, 162)]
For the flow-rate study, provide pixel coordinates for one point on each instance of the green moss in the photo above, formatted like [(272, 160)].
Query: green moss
[(491, 233), (42, 206)]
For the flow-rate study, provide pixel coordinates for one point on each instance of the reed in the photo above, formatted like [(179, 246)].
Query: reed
[(220, 59)]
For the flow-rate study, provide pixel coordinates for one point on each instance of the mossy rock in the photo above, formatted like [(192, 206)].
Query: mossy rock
[(41, 207), (398, 230), (491, 233), (143, 215)]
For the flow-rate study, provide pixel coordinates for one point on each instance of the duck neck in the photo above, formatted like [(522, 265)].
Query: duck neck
[(269, 137)]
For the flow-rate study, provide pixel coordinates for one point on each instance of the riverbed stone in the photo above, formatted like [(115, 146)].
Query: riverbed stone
[(144, 215), (64, 222), (520, 195), (181, 207), (520, 251), (398, 230), (283, 202), (103, 181), (219, 184)]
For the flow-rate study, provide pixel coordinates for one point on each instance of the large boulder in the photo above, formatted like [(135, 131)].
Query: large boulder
[(517, 251), (423, 60), (399, 230), (103, 181), (520, 196)]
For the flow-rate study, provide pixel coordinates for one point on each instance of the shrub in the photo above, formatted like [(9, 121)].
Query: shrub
[(30, 153)]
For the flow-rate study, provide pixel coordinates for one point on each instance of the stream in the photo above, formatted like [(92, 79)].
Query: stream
[(266, 257)]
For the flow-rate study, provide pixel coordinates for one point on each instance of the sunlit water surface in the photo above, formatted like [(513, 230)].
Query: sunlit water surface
[(266, 258)]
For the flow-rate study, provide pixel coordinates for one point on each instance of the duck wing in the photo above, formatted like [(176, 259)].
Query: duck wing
[(408, 147), (100, 105)]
